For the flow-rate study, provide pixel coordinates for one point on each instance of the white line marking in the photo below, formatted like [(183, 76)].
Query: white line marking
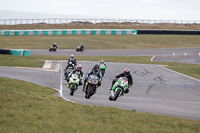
[(153, 58), (61, 85), (180, 74)]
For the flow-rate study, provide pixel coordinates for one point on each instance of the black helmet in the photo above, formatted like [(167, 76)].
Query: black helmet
[(96, 67), (126, 71)]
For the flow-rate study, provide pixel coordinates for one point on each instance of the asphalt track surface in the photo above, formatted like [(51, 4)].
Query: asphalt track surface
[(155, 89), (163, 55)]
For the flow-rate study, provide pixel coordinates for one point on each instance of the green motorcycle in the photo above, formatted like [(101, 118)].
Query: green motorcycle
[(73, 83), (118, 88), (102, 67)]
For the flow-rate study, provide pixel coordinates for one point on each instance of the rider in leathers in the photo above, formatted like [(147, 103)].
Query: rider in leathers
[(126, 74), (79, 72), (73, 60), (95, 71)]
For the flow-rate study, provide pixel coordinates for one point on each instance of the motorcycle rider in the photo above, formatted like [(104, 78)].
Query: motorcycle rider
[(81, 47), (95, 71), (54, 46), (69, 66), (73, 60), (102, 62), (79, 72), (126, 74)]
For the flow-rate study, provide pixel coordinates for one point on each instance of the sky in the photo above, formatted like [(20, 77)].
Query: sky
[(119, 9)]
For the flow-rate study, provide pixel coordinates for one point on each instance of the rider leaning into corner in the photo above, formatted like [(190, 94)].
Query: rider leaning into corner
[(73, 60), (79, 72), (54, 46), (126, 74), (95, 71), (81, 47)]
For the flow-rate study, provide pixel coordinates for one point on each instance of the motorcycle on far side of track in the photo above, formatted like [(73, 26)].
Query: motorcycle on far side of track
[(52, 49), (79, 49), (118, 88)]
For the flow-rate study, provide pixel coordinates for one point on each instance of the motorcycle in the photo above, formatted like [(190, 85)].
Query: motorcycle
[(52, 49), (118, 88), (67, 72), (102, 67), (79, 49), (73, 83), (91, 86)]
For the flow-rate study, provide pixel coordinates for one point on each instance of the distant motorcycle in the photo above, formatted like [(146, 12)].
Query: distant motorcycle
[(91, 86), (52, 49), (79, 48), (102, 67), (118, 88), (73, 83)]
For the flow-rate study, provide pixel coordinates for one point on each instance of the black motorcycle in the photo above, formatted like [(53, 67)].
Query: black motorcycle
[(52, 49), (79, 48), (91, 86)]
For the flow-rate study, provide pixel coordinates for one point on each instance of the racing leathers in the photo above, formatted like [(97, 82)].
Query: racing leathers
[(80, 75), (129, 77), (73, 60)]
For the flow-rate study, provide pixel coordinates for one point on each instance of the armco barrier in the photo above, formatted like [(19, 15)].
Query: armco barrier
[(169, 32), (4, 51), (15, 52), (68, 32)]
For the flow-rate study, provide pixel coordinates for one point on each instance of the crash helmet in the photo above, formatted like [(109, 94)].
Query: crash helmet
[(96, 67), (126, 72), (55, 43), (102, 61), (81, 44), (79, 67), (72, 56)]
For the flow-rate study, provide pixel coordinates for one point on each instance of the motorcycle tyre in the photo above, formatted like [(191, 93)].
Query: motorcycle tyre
[(117, 94)]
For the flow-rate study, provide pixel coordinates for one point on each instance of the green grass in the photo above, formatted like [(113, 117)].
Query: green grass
[(92, 42), (27, 108), (20, 61)]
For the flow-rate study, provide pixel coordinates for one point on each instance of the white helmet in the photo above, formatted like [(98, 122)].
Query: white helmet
[(72, 56)]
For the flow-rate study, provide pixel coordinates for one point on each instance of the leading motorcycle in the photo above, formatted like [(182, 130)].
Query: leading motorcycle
[(118, 88)]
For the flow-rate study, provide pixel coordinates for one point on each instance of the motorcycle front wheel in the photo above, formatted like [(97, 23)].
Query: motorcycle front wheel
[(117, 94)]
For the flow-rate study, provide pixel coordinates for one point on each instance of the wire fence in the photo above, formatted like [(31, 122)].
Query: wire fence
[(92, 21)]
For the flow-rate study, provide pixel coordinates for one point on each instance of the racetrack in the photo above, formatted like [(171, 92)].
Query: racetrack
[(155, 89), (163, 55)]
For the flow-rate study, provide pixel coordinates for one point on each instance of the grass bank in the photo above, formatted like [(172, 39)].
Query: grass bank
[(104, 25), (92, 42), (26, 107)]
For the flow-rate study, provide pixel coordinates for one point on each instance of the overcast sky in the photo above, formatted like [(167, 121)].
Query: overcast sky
[(122, 9)]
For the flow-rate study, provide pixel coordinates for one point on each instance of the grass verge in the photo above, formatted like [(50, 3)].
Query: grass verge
[(19, 61), (26, 107), (92, 42)]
